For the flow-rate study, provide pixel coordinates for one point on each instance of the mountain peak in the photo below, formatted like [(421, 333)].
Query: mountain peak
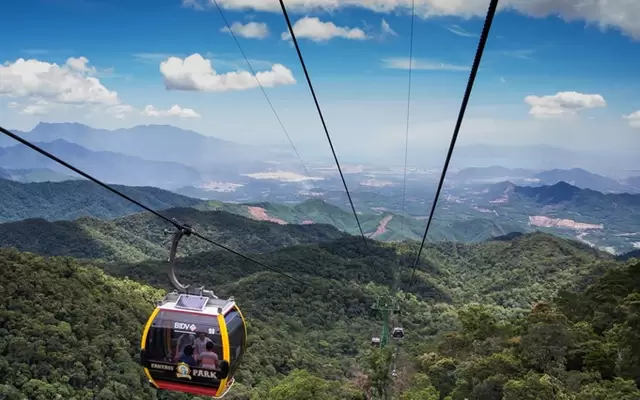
[(43, 124), (60, 129)]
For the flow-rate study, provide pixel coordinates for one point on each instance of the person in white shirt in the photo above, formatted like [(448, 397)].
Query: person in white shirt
[(200, 344)]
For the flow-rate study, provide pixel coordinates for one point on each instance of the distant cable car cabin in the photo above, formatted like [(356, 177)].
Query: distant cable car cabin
[(375, 341), (175, 351), (398, 333)]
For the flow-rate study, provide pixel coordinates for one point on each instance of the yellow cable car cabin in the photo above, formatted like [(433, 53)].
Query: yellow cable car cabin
[(179, 338)]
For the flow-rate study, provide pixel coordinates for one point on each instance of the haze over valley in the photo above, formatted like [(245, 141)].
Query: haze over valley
[(477, 203)]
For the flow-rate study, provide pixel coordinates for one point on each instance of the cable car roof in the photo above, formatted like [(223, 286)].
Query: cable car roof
[(195, 304)]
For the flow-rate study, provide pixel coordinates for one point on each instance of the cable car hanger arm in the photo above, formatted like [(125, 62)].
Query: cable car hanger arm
[(177, 235)]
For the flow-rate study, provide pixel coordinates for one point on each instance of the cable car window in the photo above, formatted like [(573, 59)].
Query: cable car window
[(182, 337), (236, 331)]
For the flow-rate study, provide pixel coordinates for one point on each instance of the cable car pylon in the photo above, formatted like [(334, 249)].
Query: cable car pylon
[(385, 307)]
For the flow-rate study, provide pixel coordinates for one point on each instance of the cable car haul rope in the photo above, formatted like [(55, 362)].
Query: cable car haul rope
[(193, 341)]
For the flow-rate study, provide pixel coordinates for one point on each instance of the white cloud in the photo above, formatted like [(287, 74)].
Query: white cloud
[(403, 63), (69, 83), (460, 31), (40, 107), (318, 31), (620, 14), (44, 88), (386, 29), (250, 30), (80, 64), (562, 104), (634, 119), (175, 111), (196, 73)]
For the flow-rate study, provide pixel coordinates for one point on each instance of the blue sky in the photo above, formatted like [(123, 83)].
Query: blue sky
[(536, 48)]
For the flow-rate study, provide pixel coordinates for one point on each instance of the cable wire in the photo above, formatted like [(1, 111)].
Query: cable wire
[(273, 109), (324, 125), (396, 315), (157, 214), (406, 134), (465, 100)]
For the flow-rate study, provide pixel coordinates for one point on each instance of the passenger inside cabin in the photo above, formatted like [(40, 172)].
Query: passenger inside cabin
[(187, 356), (184, 340), (201, 344), (209, 358)]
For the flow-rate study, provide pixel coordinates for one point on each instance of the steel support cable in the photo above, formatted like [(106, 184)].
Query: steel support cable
[(157, 214), (273, 109), (465, 100), (397, 320), (406, 134), (324, 125)]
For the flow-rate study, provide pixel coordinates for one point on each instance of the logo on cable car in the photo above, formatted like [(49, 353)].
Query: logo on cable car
[(184, 326), (183, 371)]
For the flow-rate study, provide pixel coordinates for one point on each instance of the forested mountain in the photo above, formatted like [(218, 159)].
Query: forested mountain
[(604, 220), (629, 255), (73, 199), (70, 200), (141, 236), (35, 175), (581, 347)]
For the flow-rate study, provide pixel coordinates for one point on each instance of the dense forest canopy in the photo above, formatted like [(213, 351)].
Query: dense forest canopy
[(518, 316), (507, 319)]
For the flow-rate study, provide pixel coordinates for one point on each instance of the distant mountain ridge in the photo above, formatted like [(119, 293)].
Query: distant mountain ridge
[(104, 165), (492, 172), (151, 142), (606, 220), (582, 179), (528, 177)]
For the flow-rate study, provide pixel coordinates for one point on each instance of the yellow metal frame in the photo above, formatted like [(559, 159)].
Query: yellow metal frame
[(244, 323), (224, 335), (144, 343)]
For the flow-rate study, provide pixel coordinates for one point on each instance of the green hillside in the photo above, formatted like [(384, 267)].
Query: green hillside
[(141, 236), (73, 199), (79, 328), (35, 175), (468, 216), (70, 200)]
